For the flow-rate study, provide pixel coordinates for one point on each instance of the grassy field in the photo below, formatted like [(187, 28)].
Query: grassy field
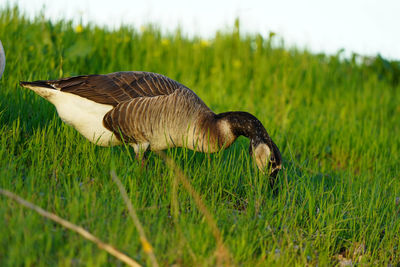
[(336, 122)]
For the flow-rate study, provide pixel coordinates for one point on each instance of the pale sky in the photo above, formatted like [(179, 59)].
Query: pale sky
[(366, 27)]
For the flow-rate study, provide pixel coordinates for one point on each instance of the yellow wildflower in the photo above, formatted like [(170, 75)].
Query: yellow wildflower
[(146, 246), (204, 43), (237, 63), (79, 28), (165, 42)]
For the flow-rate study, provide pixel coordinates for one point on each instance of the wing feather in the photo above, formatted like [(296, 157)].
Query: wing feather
[(117, 87)]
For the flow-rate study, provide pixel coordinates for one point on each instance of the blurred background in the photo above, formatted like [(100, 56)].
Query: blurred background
[(366, 27)]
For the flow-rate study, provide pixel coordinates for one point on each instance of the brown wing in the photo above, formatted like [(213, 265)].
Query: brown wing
[(117, 87)]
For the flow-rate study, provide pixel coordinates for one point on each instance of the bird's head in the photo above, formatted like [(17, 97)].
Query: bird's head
[(264, 151), (267, 156)]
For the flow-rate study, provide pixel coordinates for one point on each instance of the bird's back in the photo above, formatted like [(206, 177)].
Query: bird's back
[(117, 87)]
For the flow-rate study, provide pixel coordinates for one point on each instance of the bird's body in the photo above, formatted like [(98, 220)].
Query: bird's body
[(150, 111), (147, 110), (2, 59)]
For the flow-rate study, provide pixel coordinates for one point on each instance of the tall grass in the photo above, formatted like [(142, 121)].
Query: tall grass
[(335, 121)]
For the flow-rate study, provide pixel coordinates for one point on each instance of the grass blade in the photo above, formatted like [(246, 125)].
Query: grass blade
[(222, 253), (104, 246), (148, 249)]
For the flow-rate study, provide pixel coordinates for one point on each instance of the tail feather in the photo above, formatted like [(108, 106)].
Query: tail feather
[(42, 84), (42, 88)]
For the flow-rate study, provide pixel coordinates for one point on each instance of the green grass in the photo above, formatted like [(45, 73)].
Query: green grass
[(336, 122)]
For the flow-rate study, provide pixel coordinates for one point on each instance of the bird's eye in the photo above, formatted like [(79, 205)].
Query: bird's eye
[(272, 158)]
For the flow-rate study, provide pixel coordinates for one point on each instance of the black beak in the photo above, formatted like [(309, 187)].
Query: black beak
[(276, 162), (274, 173), (272, 180)]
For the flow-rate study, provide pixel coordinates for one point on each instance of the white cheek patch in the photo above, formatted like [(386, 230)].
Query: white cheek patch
[(262, 154)]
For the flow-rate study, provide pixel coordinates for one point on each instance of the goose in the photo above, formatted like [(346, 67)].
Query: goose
[(150, 111), (2, 59)]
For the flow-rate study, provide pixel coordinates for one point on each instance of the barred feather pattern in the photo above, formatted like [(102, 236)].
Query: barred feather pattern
[(180, 119)]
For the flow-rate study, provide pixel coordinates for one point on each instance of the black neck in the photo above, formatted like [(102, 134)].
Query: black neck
[(243, 123)]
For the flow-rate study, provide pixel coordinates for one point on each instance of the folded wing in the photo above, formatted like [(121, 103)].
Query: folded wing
[(118, 87)]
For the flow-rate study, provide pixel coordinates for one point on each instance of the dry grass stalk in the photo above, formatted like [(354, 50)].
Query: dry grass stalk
[(119, 255), (148, 249), (223, 255), (175, 215)]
